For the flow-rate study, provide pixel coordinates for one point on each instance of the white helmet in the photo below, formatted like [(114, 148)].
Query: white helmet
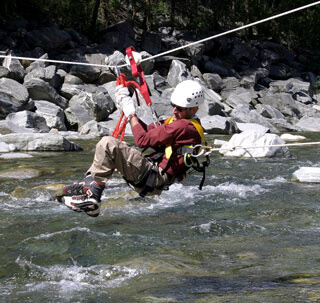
[(188, 93)]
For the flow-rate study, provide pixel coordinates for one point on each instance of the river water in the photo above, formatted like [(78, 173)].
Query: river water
[(251, 234)]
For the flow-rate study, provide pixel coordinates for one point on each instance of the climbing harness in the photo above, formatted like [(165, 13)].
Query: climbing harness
[(137, 72), (186, 151), (146, 182)]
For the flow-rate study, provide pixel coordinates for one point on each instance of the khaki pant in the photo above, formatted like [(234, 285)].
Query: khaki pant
[(113, 154)]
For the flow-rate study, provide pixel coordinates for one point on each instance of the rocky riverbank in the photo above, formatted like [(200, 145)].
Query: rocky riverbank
[(248, 84)]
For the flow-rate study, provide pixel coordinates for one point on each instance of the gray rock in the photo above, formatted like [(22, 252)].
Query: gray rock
[(105, 77), (280, 71), (162, 104), (52, 113), (269, 111), (29, 120), (283, 125), (291, 86), (302, 98), (111, 122), (88, 74), (48, 74), (243, 114), (37, 64), (178, 72), (50, 38), (219, 125), (94, 128), (213, 81), (15, 68), (77, 116), (237, 97), (252, 77), (39, 142), (309, 124), (4, 72), (283, 102), (72, 79), (150, 79), (307, 110), (41, 90), (70, 90), (217, 67), (99, 104), (13, 97)]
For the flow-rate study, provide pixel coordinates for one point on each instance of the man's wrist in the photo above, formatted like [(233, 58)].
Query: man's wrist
[(133, 114)]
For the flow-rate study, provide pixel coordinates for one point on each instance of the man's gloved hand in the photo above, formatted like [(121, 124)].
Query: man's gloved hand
[(128, 106), (123, 101), (120, 93)]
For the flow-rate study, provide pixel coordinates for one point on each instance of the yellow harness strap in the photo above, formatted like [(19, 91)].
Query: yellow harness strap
[(198, 127)]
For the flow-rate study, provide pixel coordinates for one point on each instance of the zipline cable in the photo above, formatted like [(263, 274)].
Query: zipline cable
[(173, 50)]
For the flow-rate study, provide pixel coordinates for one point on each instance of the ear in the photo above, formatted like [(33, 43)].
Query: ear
[(195, 109)]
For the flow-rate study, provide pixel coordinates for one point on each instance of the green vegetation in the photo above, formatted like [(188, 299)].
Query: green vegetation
[(298, 30)]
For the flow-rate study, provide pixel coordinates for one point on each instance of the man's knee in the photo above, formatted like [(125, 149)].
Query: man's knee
[(107, 142)]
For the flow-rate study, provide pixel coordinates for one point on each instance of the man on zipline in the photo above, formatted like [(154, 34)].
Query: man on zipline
[(148, 175)]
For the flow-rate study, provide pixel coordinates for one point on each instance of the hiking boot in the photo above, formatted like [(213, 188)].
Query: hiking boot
[(75, 189), (88, 202)]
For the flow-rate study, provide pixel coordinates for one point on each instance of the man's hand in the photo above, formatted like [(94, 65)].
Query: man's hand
[(123, 101), (121, 92)]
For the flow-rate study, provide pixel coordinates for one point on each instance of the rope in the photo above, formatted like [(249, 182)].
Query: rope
[(207, 150), (175, 49)]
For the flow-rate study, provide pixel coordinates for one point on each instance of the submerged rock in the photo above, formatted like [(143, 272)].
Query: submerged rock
[(9, 156), (19, 173), (292, 138), (307, 175)]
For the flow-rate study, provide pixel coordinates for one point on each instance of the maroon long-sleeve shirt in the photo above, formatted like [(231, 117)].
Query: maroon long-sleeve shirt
[(178, 133)]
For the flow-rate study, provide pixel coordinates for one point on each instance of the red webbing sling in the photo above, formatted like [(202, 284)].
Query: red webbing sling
[(137, 72)]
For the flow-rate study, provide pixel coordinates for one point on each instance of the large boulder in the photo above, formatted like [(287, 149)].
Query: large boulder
[(219, 125), (15, 68), (243, 114), (98, 104), (255, 144), (13, 97), (50, 38), (52, 113), (29, 120), (309, 124), (48, 74), (39, 142), (41, 90), (178, 72), (282, 102)]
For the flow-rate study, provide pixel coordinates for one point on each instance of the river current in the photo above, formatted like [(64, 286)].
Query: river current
[(251, 234)]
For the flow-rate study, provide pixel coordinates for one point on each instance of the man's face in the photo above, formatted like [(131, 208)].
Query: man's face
[(183, 112)]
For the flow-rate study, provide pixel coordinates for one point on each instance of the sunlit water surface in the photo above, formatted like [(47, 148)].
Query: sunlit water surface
[(251, 235)]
